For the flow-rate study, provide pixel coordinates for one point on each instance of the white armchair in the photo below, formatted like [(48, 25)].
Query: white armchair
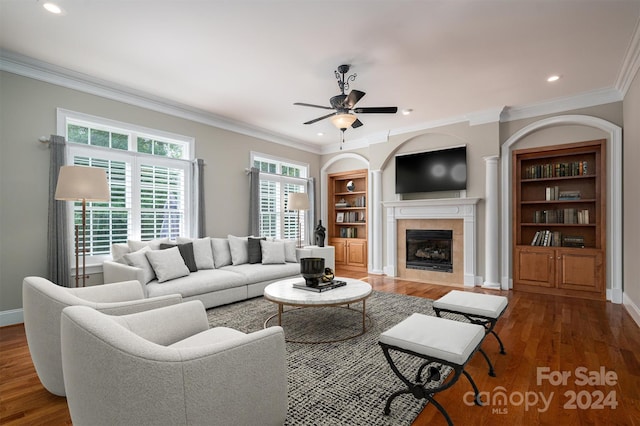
[(43, 302), (166, 367)]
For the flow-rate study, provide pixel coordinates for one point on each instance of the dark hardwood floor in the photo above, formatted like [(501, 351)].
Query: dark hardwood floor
[(552, 334)]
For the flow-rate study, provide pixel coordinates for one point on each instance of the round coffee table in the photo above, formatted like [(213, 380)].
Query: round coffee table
[(283, 293)]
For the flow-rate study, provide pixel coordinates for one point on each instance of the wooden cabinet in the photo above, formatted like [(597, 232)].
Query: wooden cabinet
[(559, 222), (347, 221)]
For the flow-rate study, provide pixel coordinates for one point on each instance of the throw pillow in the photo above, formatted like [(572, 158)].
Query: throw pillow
[(272, 252), (118, 250), (221, 252), (153, 244), (201, 250), (186, 251), (167, 264), (290, 250), (239, 249), (139, 259), (255, 251)]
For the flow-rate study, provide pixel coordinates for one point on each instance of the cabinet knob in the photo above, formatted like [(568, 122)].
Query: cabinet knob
[(558, 257)]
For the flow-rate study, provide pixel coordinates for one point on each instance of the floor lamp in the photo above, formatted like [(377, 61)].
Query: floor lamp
[(80, 183), (298, 201)]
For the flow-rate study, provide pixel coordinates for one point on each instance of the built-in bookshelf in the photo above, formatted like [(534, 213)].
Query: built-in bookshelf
[(559, 222), (347, 221)]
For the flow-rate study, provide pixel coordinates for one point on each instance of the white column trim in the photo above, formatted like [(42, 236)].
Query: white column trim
[(491, 235), (375, 221)]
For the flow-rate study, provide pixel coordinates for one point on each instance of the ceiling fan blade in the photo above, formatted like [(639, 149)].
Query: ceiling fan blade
[(312, 105), (353, 98), (320, 118), (356, 124), (376, 110)]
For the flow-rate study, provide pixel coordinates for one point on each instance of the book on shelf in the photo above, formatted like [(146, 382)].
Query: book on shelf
[(321, 287), (552, 170), (569, 195), (547, 238), (573, 241), (350, 232)]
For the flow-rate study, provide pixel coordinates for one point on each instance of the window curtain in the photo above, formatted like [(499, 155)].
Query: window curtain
[(57, 243), (200, 216), (311, 215), (254, 202)]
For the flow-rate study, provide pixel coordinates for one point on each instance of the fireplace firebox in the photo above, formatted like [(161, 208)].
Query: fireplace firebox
[(429, 249)]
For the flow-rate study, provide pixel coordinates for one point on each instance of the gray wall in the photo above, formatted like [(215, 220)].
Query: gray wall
[(28, 110)]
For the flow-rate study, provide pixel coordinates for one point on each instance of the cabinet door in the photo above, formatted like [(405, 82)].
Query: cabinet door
[(534, 266), (340, 251), (581, 269), (357, 253)]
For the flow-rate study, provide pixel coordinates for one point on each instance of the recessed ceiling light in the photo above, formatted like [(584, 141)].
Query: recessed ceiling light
[(407, 111), (553, 78), (52, 7), (320, 134)]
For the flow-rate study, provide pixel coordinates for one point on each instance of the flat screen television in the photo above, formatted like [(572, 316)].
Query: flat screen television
[(442, 170)]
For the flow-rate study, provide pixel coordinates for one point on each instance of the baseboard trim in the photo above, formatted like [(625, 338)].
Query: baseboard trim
[(14, 316), (632, 308)]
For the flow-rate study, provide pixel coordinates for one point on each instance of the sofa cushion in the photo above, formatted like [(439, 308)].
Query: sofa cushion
[(167, 264), (221, 252), (239, 249), (211, 336), (255, 250), (201, 250), (139, 259), (259, 273), (186, 251), (201, 282), (273, 252)]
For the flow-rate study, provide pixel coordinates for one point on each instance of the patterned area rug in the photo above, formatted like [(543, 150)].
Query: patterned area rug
[(343, 383)]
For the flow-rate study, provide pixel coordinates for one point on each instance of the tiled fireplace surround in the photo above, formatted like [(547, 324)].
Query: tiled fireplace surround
[(457, 214)]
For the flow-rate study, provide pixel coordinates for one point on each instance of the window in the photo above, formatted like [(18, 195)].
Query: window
[(278, 178), (149, 174)]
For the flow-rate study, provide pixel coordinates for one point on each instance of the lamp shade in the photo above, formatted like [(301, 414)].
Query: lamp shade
[(76, 183), (298, 201), (343, 121)]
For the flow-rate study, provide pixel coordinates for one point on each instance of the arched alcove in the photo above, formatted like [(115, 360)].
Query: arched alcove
[(614, 196)]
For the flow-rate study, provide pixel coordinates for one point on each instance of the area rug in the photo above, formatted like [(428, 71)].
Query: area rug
[(342, 383)]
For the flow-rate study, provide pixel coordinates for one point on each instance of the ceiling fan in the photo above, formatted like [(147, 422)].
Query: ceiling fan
[(344, 105)]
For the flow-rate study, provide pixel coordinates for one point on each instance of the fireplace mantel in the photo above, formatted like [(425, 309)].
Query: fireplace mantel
[(440, 208)]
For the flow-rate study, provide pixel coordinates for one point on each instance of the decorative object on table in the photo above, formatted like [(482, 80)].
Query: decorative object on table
[(80, 183), (351, 186), (312, 270), (321, 287), (328, 275), (320, 234), (298, 201)]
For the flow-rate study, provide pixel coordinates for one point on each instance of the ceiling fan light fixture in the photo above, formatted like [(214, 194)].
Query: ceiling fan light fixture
[(343, 121)]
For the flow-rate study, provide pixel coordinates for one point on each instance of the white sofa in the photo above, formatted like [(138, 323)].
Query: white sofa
[(224, 274), (167, 367)]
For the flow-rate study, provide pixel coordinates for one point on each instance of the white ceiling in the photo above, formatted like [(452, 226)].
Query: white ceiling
[(246, 62)]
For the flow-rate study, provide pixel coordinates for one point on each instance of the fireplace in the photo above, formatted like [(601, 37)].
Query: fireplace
[(429, 249)]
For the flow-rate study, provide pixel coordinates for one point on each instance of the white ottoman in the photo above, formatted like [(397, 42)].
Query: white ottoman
[(482, 309), (437, 340)]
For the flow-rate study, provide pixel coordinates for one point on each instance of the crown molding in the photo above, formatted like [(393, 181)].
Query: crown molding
[(631, 63), (556, 105), (49, 73)]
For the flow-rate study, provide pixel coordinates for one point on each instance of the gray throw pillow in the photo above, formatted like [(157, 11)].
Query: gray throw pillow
[(255, 251), (186, 251), (201, 250), (221, 252), (239, 249)]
